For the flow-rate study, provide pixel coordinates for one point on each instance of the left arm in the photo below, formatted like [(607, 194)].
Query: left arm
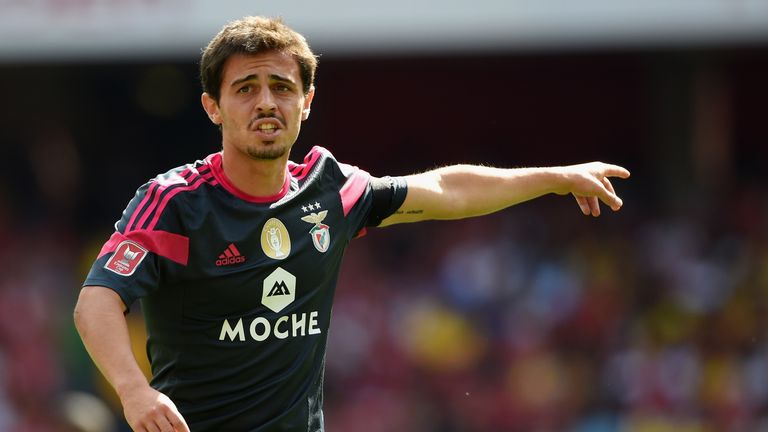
[(462, 191)]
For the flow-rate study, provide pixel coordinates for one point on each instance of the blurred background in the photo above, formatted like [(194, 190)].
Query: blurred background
[(533, 319)]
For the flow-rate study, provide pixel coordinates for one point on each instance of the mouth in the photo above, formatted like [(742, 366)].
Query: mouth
[(266, 127)]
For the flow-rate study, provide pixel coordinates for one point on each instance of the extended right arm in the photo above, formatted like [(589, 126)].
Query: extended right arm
[(101, 323), (461, 191)]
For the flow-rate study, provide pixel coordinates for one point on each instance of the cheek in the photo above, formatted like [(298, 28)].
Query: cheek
[(297, 112), (231, 114)]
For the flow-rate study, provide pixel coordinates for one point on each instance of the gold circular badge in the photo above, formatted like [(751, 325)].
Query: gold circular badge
[(275, 241)]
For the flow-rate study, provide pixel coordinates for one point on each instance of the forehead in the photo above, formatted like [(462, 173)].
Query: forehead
[(270, 63)]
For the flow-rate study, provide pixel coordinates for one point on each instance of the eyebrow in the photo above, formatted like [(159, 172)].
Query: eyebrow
[(273, 77)]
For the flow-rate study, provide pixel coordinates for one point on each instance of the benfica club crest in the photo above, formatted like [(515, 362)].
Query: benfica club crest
[(320, 233)]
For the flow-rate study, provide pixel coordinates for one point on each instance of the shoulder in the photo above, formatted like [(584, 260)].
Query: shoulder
[(156, 196), (188, 174), (320, 165), (320, 159), (182, 181), (316, 157)]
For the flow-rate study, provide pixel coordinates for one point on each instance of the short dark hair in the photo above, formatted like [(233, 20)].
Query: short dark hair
[(252, 35)]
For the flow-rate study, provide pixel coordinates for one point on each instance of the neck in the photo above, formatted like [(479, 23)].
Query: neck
[(258, 178)]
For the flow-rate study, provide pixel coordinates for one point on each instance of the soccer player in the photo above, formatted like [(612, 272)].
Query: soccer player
[(235, 257)]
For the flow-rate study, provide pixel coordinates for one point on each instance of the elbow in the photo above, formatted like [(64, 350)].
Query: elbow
[(78, 314), (89, 302), (453, 201), (95, 303), (458, 208)]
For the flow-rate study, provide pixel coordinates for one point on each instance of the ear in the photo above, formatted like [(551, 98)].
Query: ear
[(211, 108), (307, 103)]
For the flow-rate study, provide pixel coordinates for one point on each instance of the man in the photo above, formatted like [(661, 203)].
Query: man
[(235, 257)]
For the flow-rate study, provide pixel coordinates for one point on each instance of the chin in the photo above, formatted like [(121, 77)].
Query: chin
[(267, 152)]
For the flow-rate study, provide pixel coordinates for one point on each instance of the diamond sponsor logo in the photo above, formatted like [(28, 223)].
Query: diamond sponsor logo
[(279, 290)]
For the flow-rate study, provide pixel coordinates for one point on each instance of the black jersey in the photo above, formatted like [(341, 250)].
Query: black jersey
[(236, 290)]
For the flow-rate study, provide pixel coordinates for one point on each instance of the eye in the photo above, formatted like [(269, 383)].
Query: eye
[(282, 88), (244, 89)]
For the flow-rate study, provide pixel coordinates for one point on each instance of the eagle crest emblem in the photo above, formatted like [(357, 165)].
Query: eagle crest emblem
[(320, 232)]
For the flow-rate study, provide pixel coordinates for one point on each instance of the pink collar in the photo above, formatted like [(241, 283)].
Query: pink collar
[(214, 161)]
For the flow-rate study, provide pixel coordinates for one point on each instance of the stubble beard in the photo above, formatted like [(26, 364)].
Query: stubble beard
[(270, 151)]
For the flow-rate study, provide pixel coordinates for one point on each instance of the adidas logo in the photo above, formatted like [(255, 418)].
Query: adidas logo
[(230, 256)]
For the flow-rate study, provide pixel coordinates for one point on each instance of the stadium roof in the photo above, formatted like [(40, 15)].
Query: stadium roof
[(95, 29)]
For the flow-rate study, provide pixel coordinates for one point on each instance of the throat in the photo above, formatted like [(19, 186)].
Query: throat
[(261, 175)]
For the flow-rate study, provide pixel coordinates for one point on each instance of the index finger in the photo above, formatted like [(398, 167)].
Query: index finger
[(615, 171)]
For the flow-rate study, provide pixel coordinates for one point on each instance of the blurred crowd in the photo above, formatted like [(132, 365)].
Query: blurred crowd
[(533, 319), (537, 320)]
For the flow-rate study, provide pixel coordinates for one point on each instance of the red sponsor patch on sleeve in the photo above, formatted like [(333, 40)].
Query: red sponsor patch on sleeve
[(126, 258)]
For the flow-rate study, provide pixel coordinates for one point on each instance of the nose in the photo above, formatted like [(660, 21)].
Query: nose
[(266, 102)]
